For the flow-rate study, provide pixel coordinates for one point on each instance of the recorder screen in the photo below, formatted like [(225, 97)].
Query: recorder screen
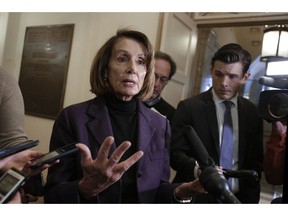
[(6, 184)]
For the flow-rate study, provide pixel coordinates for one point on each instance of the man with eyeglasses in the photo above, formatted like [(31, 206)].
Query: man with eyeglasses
[(165, 68)]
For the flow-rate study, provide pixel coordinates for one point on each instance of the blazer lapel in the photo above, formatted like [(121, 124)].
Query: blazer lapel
[(242, 124), (99, 126), (212, 118), (145, 131)]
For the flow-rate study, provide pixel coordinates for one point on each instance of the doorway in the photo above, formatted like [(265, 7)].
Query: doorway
[(249, 34)]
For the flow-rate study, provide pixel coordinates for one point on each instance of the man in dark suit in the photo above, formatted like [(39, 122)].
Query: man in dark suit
[(205, 113), (165, 68)]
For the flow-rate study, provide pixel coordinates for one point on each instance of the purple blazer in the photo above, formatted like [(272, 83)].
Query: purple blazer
[(89, 123)]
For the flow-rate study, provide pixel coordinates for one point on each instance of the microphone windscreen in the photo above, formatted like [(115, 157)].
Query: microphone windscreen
[(263, 80), (280, 82), (214, 182)]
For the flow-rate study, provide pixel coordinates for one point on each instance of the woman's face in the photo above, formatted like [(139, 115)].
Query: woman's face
[(126, 68)]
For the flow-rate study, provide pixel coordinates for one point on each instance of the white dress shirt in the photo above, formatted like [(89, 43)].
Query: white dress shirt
[(220, 110)]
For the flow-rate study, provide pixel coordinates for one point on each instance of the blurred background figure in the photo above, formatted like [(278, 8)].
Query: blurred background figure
[(165, 68), (11, 111), (274, 157), (12, 115)]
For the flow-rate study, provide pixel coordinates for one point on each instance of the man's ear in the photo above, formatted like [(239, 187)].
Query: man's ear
[(245, 77)]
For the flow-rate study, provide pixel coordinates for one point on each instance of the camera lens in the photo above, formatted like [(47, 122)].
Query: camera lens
[(278, 105)]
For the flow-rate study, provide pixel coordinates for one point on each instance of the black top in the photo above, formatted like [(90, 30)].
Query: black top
[(123, 117)]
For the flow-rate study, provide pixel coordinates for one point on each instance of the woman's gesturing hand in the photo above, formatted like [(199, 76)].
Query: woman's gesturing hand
[(104, 171)]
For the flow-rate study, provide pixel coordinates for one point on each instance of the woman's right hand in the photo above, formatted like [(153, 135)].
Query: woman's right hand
[(104, 171)]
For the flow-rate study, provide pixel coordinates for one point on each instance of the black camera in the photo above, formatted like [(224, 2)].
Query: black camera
[(273, 105)]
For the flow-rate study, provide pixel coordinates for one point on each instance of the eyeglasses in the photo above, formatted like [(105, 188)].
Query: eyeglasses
[(163, 79)]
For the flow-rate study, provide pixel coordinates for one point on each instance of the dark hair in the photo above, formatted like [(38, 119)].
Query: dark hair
[(168, 58), (232, 53), (98, 73)]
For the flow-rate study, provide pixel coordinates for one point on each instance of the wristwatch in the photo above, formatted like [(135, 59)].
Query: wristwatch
[(186, 200)]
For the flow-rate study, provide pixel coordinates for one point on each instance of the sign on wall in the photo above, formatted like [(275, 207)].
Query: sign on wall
[(44, 68)]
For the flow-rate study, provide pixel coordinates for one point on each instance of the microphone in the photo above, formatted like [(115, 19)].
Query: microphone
[(281, 83), (215, 183), (204, 160), (211, 179), (200, 153), (241, 174)]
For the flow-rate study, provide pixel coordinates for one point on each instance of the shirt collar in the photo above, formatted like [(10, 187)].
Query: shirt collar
[(218, 100), (153, 102)]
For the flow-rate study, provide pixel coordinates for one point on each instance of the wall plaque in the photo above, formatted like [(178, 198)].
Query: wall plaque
[(44, 68)]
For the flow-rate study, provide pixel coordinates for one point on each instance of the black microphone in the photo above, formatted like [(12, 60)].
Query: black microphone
[(210, 178), (199, 151), (281, 83), (214, 182), (204, 160), (241, 174)]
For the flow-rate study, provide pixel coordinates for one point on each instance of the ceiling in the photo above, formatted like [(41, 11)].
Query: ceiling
[(249, 37), (247, 27)]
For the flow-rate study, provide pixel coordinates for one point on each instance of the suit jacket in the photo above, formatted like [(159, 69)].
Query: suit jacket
[(165, 109), (200, 112), (89, 123)]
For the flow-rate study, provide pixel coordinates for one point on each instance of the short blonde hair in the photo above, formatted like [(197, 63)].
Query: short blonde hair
[(98, 73)]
